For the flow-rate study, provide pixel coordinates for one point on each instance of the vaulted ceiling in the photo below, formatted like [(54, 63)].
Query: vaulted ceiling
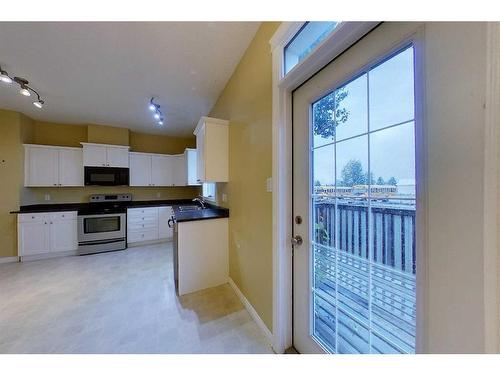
[(105, 73)]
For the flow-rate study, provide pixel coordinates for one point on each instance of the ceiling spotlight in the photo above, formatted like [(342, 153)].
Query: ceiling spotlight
[(24, 91), (152, 107), (157, 116), (24, 86), (4, 77), (38, 103)]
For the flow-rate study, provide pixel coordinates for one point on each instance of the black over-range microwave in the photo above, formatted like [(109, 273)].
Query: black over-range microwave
[(106, 176)]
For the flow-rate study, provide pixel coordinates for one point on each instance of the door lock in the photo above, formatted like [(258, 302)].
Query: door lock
[(297, 240)]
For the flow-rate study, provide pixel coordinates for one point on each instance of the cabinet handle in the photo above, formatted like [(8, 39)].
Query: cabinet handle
[(51, 223), (45, 223)]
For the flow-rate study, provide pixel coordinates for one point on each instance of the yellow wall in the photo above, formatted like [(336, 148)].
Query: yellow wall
[(47, 133), (110, 135), (246, 102), (11, 161), (140, 142), (16, 129)]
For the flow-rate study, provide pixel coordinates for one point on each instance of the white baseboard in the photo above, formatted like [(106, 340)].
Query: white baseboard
[(9, 259), (30, 258), (255, 316)]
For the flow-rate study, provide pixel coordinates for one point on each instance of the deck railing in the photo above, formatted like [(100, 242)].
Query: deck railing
[(392, 234), (356, 293)]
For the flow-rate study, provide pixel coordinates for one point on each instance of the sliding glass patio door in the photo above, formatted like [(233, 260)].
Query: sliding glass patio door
[(355, 203)]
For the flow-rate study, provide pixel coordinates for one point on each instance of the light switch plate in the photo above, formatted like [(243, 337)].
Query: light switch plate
[(224, 197), (47, 197), (269, 184), (158, 195)]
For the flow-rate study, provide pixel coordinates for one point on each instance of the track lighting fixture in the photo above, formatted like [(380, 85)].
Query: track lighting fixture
[(158, 114), (24, 88)]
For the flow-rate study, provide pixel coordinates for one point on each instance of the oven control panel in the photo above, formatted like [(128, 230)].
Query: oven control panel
[(110, 197)]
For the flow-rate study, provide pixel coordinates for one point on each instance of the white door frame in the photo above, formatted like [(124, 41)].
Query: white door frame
[(346, 34)]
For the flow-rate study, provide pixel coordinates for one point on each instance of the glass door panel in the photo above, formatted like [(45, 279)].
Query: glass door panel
[(363, 210)]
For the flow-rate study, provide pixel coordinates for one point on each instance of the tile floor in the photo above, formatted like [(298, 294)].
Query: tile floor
[(119, 302)]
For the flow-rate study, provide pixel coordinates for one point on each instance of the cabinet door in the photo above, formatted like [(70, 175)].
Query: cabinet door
[(192, 178), (117, 157), (164, 215), (94, 156), (179, 177), (200, 154), (63, 235), (42, 166), (70, 167), (33, 238), (140, 170), (162, 170)]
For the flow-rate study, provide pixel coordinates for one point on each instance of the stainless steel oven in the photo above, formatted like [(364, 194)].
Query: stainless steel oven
[(102, 226), (101, 232)]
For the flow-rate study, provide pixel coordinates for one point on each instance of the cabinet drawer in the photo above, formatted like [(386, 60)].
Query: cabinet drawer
[(134, 227), (63, 216), (142, 213), (142, 210), (142, 219), (147, 235), (33, 217)]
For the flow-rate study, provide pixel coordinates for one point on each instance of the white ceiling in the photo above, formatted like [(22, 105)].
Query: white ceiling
[(105, 73)]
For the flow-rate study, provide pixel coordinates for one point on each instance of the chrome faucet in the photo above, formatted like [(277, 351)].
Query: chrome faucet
[(200, 201)]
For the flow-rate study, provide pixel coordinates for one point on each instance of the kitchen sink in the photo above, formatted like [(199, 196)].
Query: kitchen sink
[(189, 208)]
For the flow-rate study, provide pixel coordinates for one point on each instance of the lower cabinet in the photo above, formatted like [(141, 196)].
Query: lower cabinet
[(148, 224), (46, 233), (201, 254)]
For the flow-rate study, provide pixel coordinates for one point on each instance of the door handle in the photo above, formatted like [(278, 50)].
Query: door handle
[(297, 240)]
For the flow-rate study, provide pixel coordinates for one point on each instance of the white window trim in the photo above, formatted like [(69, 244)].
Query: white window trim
[(209, 199), (344, 36)]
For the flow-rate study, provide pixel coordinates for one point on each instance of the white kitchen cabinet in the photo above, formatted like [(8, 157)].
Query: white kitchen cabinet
[(140, 169), (157, 169), (179, 175), (33, 238), (46, 233), (162, 170), (101, 155), (46, 166), (71, 167), (117, 156), (148, 224), (212, 145), (191, 167)]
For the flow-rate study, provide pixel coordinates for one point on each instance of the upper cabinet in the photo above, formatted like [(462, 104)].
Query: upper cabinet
[(100, 155), (52, 166), (212, 145), (157, 169), (191, 167)]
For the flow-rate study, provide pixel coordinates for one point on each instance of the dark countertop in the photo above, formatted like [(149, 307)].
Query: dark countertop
[(211, 212)]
